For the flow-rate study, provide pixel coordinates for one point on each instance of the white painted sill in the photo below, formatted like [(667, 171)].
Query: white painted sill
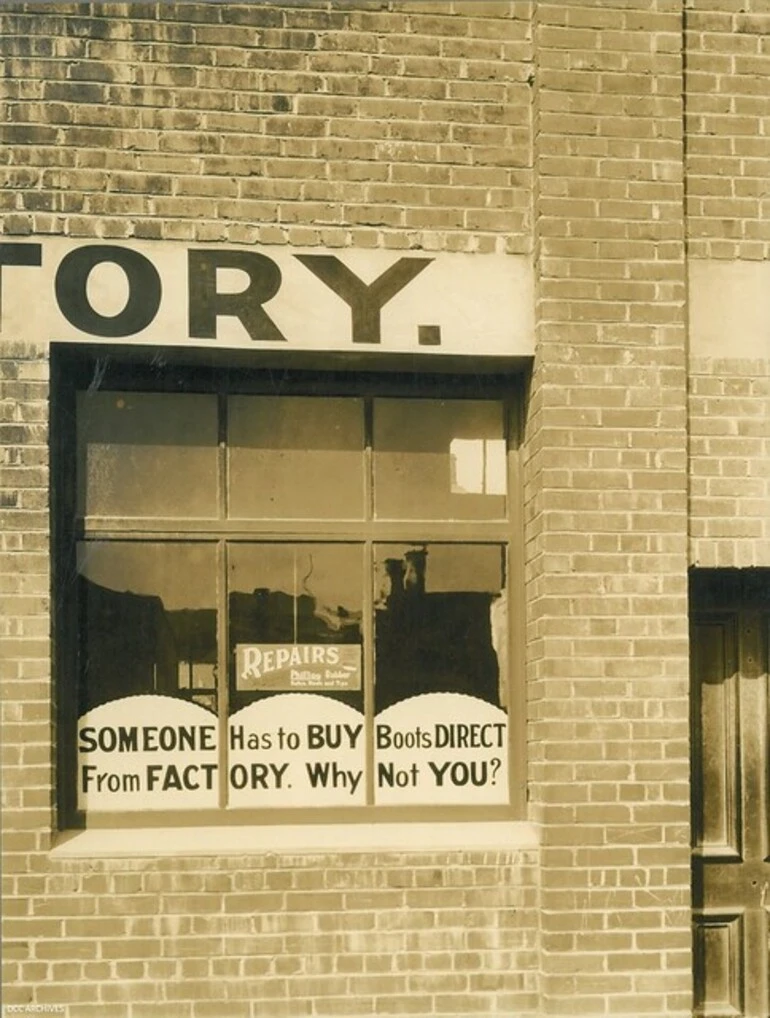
[(309, 839)]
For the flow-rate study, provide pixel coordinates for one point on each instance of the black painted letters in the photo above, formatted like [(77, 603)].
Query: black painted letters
[(206, 303), (18, 254), (144, 290), (365, 302)]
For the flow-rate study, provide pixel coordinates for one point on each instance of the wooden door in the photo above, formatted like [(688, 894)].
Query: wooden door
[(731, 789)]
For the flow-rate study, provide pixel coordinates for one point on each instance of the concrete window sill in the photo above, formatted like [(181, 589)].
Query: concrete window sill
[(305, 838)]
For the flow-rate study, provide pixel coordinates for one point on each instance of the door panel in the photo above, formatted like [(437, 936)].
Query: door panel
[(719, 964), (717, 827), (731, 814)]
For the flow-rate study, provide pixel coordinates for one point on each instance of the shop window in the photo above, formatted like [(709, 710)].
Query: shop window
[(272, 603)]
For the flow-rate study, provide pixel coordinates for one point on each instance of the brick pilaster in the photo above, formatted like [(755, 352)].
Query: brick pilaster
[(607, 511)]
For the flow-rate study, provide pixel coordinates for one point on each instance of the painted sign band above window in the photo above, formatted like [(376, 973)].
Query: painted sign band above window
[(281, 298)]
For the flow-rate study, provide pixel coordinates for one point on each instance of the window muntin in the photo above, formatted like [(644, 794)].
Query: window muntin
[(324, 606)]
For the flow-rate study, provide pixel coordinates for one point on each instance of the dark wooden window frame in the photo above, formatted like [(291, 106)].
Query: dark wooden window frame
[(79, 367)]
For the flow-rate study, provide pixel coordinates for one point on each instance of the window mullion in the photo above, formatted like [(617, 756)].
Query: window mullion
[(517, 727), (369, 664), (223, 622), (304, 530), (368, 602), (223, 658), (222, 464)]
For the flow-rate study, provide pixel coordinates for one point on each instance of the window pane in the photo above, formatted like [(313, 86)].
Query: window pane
[(147, 454), (296, 733), (147, 728), (438, 621), (441, 729), (295, 457), (295, 620), (439, 460), (148, 621)]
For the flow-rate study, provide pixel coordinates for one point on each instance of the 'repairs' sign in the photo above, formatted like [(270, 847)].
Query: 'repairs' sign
[(286, 666), (269, 298)]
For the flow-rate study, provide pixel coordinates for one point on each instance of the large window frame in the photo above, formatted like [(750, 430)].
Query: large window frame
[(78, 368)]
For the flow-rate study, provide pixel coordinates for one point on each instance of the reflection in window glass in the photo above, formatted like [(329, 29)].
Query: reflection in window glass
[(295, 457), (148, 621), (439, 460), (477, 466), (440, 621), (147, 454), (295, 620)]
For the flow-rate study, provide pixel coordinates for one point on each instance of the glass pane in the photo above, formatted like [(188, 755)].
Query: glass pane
[(441, 727), (295, 457), (296, 729), (440, 621), (439, 460), (295, 620), (147, 731), (147, 454), (148, 621)]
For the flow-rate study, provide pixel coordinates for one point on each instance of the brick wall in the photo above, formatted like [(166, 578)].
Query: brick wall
[(730, 462), (417, 124), (25, 664), (728, 221), (366, 124), (607, 511), (25, 659), (422, 933), (728, 146)]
